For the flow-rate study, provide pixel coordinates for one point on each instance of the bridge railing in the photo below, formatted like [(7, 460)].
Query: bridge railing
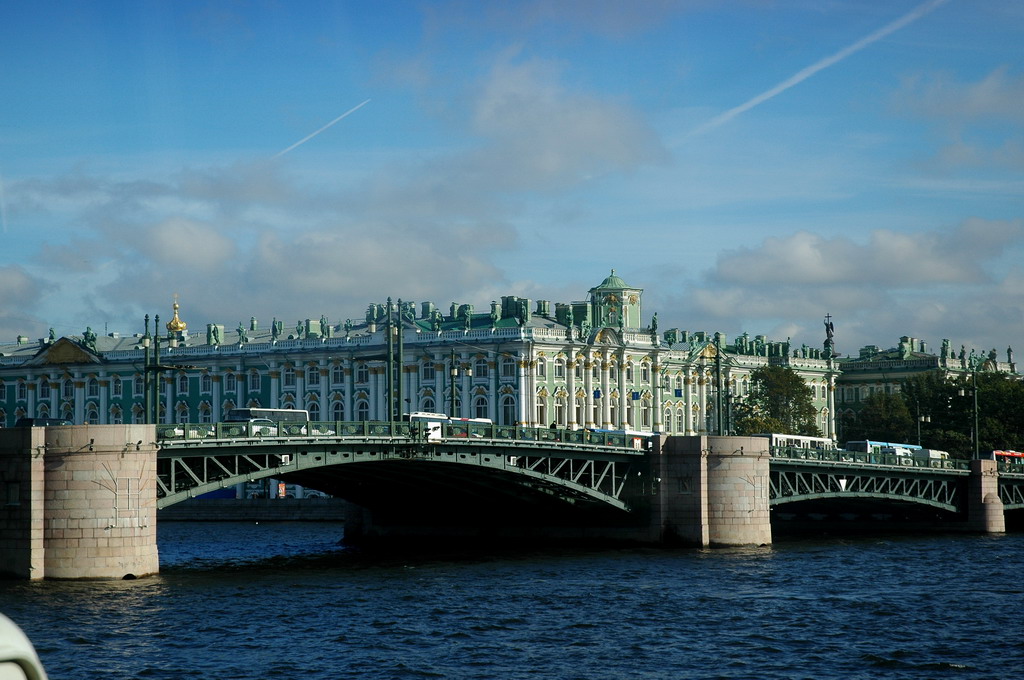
[(842, 456), (416, 431)]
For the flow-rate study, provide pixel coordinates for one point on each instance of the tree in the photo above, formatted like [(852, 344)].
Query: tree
[(884, 417), (779, 401)]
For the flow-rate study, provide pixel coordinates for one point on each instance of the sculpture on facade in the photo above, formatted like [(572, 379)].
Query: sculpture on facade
[(1009, 355), (654, 323), (215, 334), (242, 337), (324, 326), (52, 337), (275, 330), (89, 339)]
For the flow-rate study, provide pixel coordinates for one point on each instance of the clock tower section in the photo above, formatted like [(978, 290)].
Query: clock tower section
[(614, 304)]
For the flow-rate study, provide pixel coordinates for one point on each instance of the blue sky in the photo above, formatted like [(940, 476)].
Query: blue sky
[(752, 165)]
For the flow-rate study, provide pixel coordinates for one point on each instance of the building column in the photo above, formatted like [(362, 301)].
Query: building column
[(656, 380), (606, 397), (104, 383), (570, 387), (216, 381), (79, 403)]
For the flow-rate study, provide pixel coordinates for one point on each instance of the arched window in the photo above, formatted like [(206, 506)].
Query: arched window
[(508, 410), (542, 410), (613, 373), (480, 368), (288, 377), (560, 411), (254, 381), (92, 415), (43, 411), (312, 376), (362, 410), (645, 415), (680, 420), (314, 411), (205, 416), (668, 425), (44, 388), (183, 384), (205, 383), (615, 412), (116, 387), (508, 369), (428, 404), (428, 372), (629, 372), (480, 407), (337, 375), (362, 373), (338, 410), (581, 412), (181, 414), (93, 388), (69, 389), (578, 370), (22, 391), (559, 369), (67, 412), (116, 416)]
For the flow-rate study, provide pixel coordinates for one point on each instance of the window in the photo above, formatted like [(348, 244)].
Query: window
[(428, 405), (314, 411), (629, 372), (508, 369), (22, 391), (92, 415), (337, 376), (116, 388), (542, 368), (288, 377), (205, 383), (508, 410), (254, 381), (230, 382), (181, 414), (93, 388), (312, 376), (581, 411), (645, 415), (613, 373), (577, 369), (204, 413), (362, 410), (480, 370), (480, 407), (427, 371), (362, 373), (69, 389), (645, 373), (560, 369), (183, 384), (44, 389), (338, 410), (116, 416), (560, 411), (542, 410)]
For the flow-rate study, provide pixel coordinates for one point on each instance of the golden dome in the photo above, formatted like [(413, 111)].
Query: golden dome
[(176, 325)]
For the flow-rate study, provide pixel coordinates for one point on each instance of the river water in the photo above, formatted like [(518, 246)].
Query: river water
[(283, 600)]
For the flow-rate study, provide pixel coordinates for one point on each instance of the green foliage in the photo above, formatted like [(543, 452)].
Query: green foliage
[(779, 401), (945, 416)]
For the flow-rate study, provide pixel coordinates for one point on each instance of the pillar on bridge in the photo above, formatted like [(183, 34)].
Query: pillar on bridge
[(984, 508), (714, 491), (79, 502)]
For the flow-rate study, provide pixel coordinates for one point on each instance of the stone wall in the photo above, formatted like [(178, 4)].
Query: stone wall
[(91, 512)]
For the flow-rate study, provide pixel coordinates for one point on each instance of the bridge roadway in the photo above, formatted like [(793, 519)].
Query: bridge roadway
[(576, 467)]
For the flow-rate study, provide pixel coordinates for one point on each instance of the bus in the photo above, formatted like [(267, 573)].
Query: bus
[(1008, 457), (887, 452), (277, 415), (799, 441), (435, 422), (870, 446)]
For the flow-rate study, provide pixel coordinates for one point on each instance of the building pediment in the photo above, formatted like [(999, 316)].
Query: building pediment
[(63, 351)]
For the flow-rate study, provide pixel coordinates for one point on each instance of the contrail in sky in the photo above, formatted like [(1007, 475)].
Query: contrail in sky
[(3, 205), (309, 137), (806, 73)]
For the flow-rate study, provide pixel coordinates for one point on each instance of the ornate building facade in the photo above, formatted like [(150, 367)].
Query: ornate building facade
[(594, 363)]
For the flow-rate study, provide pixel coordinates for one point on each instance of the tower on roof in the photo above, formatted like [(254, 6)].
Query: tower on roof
[(615, 304), (176, 325)]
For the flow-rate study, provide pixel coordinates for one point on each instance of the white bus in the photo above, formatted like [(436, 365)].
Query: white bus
[(277, 415), (799, 441)]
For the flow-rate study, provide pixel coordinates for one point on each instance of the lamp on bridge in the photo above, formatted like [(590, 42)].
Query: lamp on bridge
[(455, 371), (974, 393)]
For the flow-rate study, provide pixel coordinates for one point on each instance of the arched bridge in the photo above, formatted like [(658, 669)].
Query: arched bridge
[(406, 468), (401, 465)]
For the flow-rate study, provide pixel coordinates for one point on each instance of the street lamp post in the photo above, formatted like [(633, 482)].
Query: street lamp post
[(920, 419), (975, 435), (455, 371)]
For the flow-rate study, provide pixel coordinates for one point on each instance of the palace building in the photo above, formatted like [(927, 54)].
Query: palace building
[(595, 363)]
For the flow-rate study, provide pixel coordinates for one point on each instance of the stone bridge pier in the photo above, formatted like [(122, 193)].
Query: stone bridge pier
[(78, 502), (713, 491)]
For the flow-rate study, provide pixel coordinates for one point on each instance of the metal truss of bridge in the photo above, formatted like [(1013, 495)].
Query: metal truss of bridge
[(573, 467)]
